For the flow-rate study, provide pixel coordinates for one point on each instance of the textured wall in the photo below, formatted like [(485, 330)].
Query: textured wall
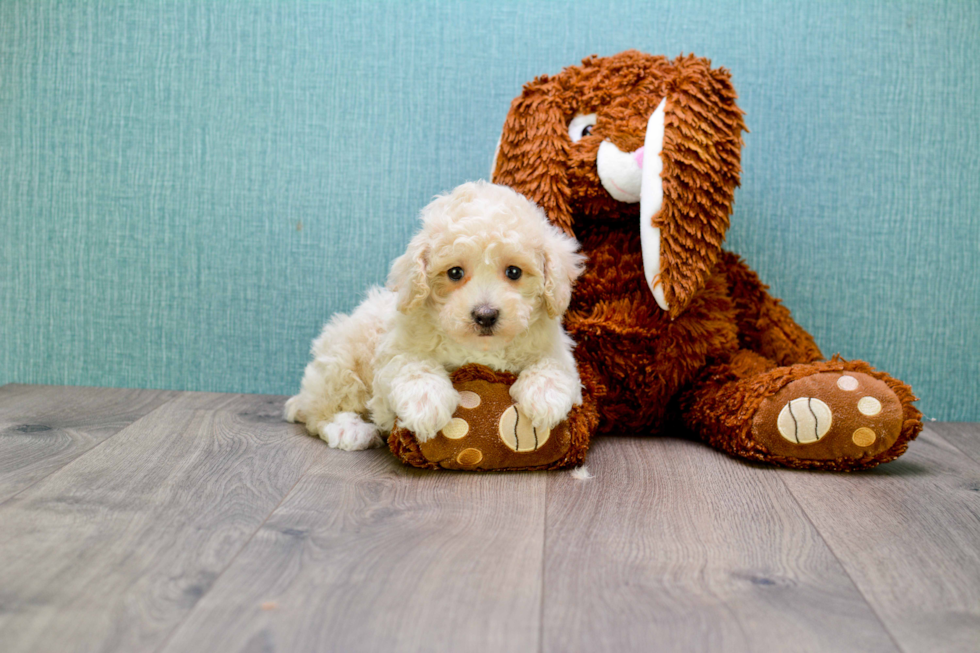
[(188, 191)]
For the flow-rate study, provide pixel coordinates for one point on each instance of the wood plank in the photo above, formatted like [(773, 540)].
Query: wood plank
[(43, 428), (908, 533), (676, 547), (965, 436), (114, 549), (16, 390), (367, 555)]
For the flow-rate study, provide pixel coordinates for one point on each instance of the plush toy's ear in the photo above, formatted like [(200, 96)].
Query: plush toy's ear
[(701, 150), (535, 131), (562, 266), (409, 276)]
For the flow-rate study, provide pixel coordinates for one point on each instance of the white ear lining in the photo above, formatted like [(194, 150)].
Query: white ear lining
[(493, 164), (651, 201)]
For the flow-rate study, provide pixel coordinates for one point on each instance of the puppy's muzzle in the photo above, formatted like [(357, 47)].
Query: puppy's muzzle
[(485, 317)]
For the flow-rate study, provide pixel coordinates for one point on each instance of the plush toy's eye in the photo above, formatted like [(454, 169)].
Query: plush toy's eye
[(581, 126), (513, 272), (455, 273)]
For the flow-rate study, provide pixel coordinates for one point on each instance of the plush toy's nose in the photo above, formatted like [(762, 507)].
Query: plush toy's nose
[(485, 316), (627, 180)]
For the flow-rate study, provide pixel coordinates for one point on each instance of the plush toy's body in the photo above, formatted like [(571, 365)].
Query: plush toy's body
[(638, 157), (711, 368)]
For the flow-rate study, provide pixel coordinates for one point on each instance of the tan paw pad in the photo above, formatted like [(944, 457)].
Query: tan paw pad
[(518, 433), (864, 437), (469, 400), (469, 457), (804, 420), (456, 429), (847, 383), (869, 406)]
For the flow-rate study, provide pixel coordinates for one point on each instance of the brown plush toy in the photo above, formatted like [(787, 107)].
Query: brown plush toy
[(638, 157)]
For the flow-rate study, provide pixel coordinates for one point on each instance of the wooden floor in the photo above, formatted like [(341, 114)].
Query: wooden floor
[(134, 520)]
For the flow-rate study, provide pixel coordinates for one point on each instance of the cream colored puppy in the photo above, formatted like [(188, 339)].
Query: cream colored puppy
[(486, 281)]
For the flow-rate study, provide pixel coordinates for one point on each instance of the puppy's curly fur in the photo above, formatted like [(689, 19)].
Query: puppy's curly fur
[(485, 281)]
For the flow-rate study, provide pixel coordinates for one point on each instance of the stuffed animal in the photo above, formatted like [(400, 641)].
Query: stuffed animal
[(638, 157)]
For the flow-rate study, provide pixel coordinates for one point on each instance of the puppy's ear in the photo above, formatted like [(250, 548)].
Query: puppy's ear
[(409, 277), (532, 157), (562, 266)]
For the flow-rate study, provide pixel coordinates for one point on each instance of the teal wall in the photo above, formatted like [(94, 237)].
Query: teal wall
[(188, 190)]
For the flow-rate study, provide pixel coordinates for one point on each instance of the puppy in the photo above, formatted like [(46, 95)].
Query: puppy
[(485, 281)]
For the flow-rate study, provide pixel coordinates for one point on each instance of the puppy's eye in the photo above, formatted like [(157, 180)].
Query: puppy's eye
[(581, 126), (513, 272), (455, 273)]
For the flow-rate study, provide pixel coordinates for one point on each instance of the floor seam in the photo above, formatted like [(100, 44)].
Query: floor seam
[(82, 454), (544, 565), (840, 562), (231, 561)]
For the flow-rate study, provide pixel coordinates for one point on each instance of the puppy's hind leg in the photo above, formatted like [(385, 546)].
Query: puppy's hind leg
[(331, 397), (348, 431), (337, 382), (293, 411)]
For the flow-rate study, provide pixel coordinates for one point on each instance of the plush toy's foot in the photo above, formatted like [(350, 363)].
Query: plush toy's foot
[(834, 415), (831, 416), (488, 432)]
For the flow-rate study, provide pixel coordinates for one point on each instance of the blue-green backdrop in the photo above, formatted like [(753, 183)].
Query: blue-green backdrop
[(188, 190)]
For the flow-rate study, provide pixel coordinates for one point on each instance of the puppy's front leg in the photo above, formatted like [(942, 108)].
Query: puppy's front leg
[(421, 396), (546, 391)]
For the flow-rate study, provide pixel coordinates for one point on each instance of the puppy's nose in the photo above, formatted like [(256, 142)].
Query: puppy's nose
[(485, 316)]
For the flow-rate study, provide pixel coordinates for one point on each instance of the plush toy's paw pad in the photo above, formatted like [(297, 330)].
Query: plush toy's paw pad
[(349, 432), (804, 420), (518, 433), (830, 416)]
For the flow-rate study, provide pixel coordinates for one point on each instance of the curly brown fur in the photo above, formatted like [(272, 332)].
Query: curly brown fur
[(711, 359), (764, 324), (722, 404)]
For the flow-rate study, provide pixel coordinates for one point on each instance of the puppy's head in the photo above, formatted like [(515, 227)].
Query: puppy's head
[(638, 141), (486, 266)]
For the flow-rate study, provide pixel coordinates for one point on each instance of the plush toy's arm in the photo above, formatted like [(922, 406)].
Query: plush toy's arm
[(765, 326)]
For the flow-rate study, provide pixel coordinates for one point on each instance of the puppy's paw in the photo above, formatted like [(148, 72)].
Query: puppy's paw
[(545, 396), (349, 432), (424, 405)]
